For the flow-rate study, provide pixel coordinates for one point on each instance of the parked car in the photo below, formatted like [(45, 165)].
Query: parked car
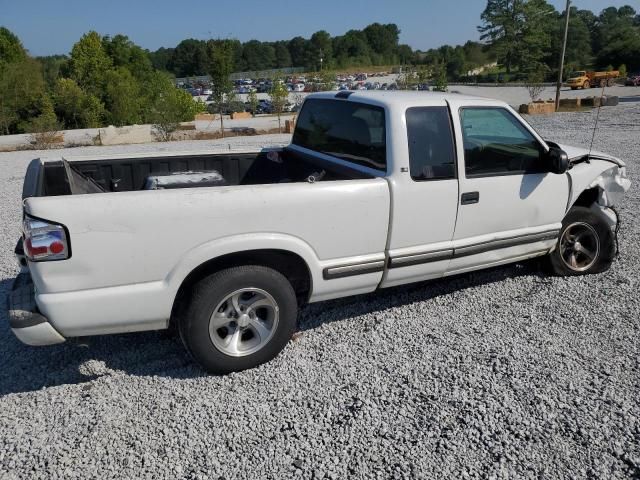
[(374, 191), (298, 87), (633, 80)]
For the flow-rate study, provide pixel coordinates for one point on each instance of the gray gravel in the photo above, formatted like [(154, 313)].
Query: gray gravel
[(504, 373)]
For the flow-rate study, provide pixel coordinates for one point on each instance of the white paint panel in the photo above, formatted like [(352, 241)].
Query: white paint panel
[(136, 237)]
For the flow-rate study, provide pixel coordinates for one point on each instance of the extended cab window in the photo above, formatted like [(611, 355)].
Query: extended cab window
[(348, 130), (496, 143), (431, 147)]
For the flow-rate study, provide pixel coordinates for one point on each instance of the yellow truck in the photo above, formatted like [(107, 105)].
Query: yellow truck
[(583, 79)]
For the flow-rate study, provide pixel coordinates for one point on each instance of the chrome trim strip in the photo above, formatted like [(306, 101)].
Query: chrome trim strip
[(455, 252), (418, 258), (341, 271), (505, 243)]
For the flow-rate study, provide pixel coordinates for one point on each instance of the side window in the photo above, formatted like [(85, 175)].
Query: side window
[(496, 143), (348, 130), (431, 147)]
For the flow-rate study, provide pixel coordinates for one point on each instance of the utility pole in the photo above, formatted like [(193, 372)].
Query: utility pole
[(564, 50)]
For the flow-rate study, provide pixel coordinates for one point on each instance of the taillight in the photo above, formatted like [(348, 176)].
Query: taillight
[(44, 240)]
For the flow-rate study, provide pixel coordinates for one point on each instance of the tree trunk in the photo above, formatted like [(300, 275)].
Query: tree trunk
[(221, 124)]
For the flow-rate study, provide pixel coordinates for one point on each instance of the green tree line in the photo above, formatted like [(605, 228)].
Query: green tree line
[(526, 35), (110, 80), (520, 34), (104, 81), (376, 44)]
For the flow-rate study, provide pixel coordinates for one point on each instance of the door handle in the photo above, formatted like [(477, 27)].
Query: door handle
[(469, 197)]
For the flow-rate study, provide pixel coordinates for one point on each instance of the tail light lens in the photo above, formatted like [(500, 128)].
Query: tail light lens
[(44, 240)]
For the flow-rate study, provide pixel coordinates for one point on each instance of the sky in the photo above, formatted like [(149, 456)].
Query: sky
[(49, 27)]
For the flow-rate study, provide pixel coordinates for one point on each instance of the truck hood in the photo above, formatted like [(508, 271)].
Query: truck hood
[(577, 153)]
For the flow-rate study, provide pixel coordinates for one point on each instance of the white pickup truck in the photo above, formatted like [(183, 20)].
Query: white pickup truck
[(377, 189)]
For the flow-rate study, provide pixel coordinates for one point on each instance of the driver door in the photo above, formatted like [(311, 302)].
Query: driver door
[(510, 205)]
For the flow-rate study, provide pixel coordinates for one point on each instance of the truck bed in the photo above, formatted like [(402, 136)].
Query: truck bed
[(132, 173)]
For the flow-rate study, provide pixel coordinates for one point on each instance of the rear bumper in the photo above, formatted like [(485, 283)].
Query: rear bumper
[(26, 322)]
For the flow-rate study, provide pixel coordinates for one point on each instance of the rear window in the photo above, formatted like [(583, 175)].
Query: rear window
[(348, 130)]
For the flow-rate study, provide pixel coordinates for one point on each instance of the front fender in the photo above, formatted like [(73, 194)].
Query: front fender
[(609, 178)]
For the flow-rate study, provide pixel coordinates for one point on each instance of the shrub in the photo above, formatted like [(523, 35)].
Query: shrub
[(171, 107), (44, 128), (535, 84)]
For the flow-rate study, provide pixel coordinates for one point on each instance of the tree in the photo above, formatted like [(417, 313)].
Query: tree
[(619, 37), (518, 31), (258, 55), (298, 50), (189, 58), (171, 106), (122, 97), (623, 71), (11, 49), (579, 41), (278, 96), (160, 58), (44, 127), (221, 55), (382, 39), (501, 24), (124, 53), (535, 34), (53, 68), (283, 57), (252, 99), (352, 48), (75, 108), (535, 84), (439, 75), (320, 47), (90, 63), (21, 90)]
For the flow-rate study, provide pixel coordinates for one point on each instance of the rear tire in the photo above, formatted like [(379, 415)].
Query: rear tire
[(586, 244), (239, 318)]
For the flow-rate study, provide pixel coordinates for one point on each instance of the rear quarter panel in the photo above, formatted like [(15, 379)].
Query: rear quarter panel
[(128, 238)]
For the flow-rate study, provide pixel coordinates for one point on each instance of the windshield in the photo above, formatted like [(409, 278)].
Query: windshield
[(347, 130), (577, 74)]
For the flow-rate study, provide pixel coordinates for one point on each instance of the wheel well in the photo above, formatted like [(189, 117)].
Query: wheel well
[(289, 264), (587, 198)]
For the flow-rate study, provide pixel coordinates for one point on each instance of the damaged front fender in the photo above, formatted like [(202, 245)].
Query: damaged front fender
[(597, 172), (609, 181)]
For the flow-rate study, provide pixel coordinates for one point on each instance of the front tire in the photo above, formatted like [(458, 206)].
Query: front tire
[(239, 318), (586, 244)]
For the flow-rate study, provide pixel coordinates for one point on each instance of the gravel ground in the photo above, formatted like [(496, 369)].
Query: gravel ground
[(505, 373)]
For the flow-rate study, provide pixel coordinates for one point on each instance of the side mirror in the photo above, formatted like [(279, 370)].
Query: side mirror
[(559, 160)]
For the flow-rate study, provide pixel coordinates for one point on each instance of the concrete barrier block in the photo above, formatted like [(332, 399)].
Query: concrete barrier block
[(610, 101), (570, 103), (538, 108), (239, 115), (205, 117), (289, 125), (591, 102), (126, 135)]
